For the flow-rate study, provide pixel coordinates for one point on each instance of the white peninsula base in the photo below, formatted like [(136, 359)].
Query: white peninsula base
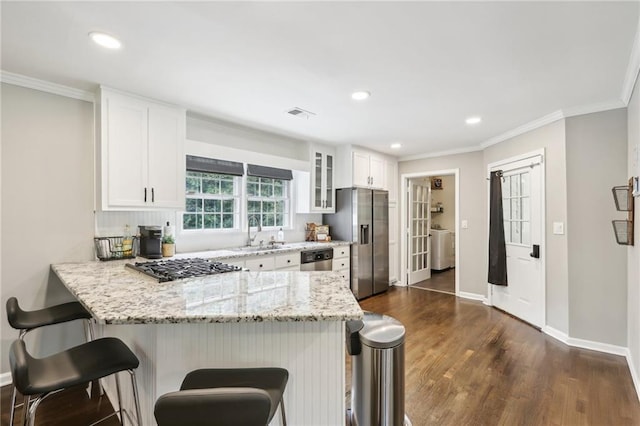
[(312, 352)]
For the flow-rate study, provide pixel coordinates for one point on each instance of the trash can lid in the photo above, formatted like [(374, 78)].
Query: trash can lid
[(381, 331)]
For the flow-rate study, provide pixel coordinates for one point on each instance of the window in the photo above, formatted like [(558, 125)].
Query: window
[(213, 201), (516, 208), (268, 201)]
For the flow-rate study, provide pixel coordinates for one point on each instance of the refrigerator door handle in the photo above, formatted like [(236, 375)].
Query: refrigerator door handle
[(364, 234)]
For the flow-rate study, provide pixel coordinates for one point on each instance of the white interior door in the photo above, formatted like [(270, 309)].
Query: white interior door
[(522, 202), (419, 258)]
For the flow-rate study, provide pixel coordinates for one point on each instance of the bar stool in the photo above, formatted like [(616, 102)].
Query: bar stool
[(241, 397), (25, 321), (38, 378)]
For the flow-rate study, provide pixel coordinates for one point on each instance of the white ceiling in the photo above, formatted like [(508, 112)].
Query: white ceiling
[(428, 65)]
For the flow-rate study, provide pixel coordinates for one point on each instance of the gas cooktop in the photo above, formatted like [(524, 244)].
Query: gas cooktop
[(176, 269)]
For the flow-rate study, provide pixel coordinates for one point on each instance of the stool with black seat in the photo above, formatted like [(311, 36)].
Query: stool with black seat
[(38, 378), (25, 321), (236, 396)]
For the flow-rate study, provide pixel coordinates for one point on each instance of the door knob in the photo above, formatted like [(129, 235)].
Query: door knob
[(536, 251)]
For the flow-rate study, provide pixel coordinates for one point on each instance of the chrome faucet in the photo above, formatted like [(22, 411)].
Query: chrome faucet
[(256, 218)]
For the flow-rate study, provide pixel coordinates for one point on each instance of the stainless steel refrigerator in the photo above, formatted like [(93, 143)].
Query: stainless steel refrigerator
[(362, 216)]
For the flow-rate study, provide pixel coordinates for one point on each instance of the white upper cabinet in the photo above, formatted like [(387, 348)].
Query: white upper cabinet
[(315, 191), (322, 191), (141, 156), (368, 170)]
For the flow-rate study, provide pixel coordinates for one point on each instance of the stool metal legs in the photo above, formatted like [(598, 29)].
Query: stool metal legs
[(13, 405), (134, 386), (284, 418), (31, 404), (136, 400)]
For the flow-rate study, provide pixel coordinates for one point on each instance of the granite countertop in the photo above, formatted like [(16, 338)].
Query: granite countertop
[(233, 253), (118, 295)]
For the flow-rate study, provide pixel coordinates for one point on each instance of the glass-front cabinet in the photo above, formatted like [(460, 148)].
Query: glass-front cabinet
[(322, 190)]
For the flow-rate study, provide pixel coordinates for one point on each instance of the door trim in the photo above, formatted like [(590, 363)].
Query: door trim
[(543, 219), (404, 179)]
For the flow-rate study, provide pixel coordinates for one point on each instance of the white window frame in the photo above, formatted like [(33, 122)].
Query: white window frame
[(511, 220), (286, 198), (237, 209)]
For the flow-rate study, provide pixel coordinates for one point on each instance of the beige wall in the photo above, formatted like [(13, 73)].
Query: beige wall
[(473, 250), (596, 154), (552, 139), (633, 253), (446, 196), (47, 199)]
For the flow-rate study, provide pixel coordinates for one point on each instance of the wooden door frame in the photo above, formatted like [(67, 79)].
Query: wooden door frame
[(543, 220), (404, 179)]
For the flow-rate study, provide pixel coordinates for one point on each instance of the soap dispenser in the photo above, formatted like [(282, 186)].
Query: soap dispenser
[(281, 236)]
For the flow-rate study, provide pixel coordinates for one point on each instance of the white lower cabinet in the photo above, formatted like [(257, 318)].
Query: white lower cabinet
[(280, 262), (342, 260), (234, 262), (260, 263), (291, 261), (288, 262)]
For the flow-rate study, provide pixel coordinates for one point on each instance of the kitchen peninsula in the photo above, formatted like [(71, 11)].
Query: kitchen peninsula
[(287, 319)]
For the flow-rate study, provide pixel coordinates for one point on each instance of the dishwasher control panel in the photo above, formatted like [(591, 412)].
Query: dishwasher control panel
[(310, 256)]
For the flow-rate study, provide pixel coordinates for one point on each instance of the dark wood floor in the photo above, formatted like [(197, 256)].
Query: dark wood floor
[(469, 364), (72, 407), (440, 281), (466, 364)]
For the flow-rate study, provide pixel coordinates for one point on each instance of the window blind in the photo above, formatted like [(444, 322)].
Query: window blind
[(212, 165), (269, 172)]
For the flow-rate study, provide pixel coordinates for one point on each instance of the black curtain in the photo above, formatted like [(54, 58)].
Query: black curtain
[(497, 248)]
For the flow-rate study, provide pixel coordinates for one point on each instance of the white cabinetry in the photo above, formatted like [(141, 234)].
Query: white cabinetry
[(260, 263), (368, 170), (322, 190), (357, 167), (288, 262), (342, 261), (279, 262), (316, 192), (141, 156)]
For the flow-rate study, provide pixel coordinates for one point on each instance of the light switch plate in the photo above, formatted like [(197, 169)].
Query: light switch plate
[(464, 224), (558, 228)]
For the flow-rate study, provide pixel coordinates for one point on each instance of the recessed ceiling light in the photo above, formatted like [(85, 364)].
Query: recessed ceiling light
[(473, 120), (105, 40), (396, 145), (360, 96)]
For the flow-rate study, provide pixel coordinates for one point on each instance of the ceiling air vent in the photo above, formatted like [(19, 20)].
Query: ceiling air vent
[(301, 113)]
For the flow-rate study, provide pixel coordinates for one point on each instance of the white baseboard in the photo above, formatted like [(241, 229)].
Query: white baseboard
[(5, 379), (585, 344), (634, 373), (556, 334), (472, 296), (597, 346)]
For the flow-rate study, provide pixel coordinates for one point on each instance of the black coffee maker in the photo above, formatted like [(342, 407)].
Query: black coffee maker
[(151, 242)]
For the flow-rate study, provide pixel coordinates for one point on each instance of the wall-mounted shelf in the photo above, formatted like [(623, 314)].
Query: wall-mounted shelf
[(623, 197)]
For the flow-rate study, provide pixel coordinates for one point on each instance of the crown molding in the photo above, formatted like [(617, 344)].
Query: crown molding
[(45, 86), (633, 68), (590, 109), (440, 153), (532, 125), (527, 127)]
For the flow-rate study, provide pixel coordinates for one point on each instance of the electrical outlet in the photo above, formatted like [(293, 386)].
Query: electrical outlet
[(464, 224)]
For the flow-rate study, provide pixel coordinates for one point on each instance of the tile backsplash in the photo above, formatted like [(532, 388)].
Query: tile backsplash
[(108, 224)]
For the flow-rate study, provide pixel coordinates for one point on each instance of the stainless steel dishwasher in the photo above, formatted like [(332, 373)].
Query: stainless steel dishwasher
[(316, 260)]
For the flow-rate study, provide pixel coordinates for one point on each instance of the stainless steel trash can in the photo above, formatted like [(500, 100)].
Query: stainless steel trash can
[(377, 367)]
